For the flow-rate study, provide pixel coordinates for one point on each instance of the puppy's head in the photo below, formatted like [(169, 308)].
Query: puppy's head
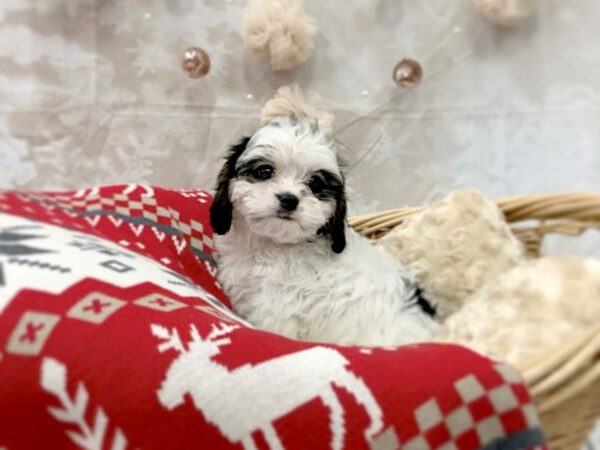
[(285, 182)]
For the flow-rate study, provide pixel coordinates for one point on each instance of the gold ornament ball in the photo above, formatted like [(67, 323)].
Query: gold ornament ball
[(196, 62), (407, 73)]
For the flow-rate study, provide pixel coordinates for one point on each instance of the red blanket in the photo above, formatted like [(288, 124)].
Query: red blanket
[(114, 334)]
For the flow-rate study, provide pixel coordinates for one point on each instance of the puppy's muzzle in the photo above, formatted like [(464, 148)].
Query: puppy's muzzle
[(288, 201)]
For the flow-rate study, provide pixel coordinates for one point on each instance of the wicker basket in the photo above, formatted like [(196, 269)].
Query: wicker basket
[(564, 382)]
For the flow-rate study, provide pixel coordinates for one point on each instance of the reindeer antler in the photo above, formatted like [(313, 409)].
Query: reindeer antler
[(172, 339), (223, 330)]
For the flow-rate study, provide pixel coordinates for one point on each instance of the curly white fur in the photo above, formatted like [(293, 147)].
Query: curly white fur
[(279, 31), (306, 292), (290, 101), (282, 273), (530, 309), (454, 246)]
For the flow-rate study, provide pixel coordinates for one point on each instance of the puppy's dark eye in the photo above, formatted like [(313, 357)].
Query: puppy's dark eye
[(316, 184), (263, 172)]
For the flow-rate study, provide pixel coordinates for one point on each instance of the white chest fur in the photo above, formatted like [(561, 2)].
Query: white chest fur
[(361, 296)]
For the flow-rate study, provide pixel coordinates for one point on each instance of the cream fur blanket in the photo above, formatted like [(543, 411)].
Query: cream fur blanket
[(455, 246), (532, 308), (489, 297)]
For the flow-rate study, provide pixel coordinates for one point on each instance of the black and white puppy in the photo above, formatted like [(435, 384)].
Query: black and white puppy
[(286, 257)]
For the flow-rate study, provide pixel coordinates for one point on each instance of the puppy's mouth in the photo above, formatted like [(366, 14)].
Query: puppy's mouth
[(285, 215)]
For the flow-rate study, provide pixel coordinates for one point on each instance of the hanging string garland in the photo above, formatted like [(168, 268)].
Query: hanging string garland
[(507, 12), (407, 73), (279, 31), (196, 62), (282, 33)]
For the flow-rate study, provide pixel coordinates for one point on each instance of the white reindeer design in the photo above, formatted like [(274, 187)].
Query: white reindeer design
[(252, 397)]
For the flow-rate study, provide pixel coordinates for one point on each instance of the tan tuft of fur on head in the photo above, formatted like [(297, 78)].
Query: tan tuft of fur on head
[(290, 101), (279, 31)]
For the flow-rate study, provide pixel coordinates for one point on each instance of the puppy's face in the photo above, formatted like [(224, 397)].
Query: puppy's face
[(285, 183)]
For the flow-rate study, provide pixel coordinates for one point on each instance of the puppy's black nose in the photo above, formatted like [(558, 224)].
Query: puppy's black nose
[(288, 201)]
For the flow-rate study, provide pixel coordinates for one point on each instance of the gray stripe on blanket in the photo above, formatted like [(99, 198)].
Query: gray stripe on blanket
[(167, 229), (520, 440)]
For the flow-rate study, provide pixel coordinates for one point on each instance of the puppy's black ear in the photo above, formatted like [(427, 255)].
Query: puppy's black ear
[(221, 211), (337, 226)]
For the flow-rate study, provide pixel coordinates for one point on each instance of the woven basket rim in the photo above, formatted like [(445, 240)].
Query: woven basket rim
[(581, 206)]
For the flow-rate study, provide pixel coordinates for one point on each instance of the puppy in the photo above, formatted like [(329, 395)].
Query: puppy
[(286, 257)]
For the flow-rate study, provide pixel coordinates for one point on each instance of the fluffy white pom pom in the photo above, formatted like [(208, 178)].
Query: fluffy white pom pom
[(507, 12), (279, 31)]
